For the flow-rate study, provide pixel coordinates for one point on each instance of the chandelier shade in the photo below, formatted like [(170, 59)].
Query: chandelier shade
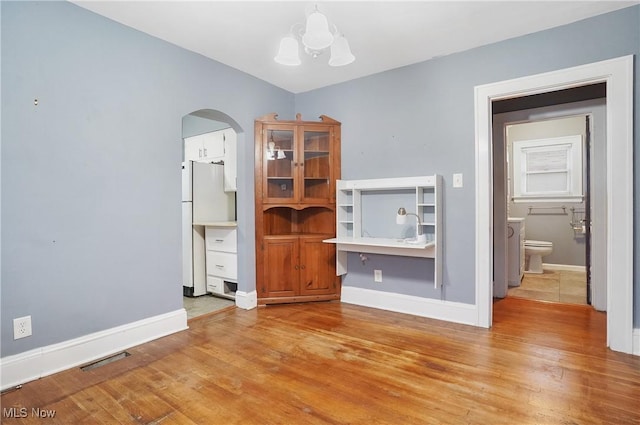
[(317, 35), (341, 52), (288, 52)]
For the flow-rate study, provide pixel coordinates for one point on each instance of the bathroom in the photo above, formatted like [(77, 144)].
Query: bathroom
[(547, 181)]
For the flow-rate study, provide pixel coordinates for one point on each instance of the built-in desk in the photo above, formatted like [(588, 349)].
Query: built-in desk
[(385, 246), (349, 220)]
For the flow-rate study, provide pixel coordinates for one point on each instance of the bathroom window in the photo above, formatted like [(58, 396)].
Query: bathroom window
[(548, 170)]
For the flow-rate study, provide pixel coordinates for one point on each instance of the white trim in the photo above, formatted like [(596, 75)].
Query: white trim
[(618, 75), (564, 267), (247, 300), (44, 361), (636, 342), (409, 304)]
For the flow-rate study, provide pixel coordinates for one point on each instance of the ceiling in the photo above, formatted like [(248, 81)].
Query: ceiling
[(382, 34)]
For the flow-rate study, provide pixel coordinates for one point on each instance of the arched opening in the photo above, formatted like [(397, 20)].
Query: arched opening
[(209, 211)]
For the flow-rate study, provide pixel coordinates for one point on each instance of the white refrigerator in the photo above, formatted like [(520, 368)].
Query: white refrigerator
[(204, 202)]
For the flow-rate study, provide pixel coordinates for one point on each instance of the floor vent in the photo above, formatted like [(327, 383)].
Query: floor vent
[(105, 361)]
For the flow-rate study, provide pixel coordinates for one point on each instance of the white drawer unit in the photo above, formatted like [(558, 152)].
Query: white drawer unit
[(221, 239), (222, 264), (222, 259)]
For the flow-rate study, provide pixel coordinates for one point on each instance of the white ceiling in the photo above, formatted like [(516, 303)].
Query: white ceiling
[(382, 34)]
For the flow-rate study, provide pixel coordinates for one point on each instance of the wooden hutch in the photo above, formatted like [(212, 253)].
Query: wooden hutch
[(297, 164)]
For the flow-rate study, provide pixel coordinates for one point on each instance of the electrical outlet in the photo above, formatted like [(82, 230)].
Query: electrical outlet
[(21, 327), (377, 275)]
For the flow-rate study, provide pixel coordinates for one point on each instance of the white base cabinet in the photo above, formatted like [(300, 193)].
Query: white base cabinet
[(222, 259)]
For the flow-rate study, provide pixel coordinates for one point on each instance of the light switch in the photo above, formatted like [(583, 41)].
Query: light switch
[(457, 180)]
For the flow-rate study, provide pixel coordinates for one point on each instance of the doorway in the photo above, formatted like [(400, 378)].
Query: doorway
[(559, 220), (209, 153), (618, 76)]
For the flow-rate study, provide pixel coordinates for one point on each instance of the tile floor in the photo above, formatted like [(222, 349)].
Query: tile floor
[(204, 304), (553, 285)]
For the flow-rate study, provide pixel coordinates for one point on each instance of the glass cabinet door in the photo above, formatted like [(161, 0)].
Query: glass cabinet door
[(316, 152), (278, 163)]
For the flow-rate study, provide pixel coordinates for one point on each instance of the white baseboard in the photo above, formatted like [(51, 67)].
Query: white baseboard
[(44, 361), (636, 342), (425, 307), (563, 267), (247, 300)]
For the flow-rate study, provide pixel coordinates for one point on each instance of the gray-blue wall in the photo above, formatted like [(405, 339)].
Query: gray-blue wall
[(420, 120), (193, 126), (91, 176)]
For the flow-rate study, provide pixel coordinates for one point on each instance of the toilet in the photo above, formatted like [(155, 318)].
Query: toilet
[(534, 251)]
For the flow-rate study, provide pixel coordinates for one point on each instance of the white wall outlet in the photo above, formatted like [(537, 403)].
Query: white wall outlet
[(21, 327), (377, 275), (457, 180)]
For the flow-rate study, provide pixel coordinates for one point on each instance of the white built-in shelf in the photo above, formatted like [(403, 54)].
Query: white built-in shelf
[(349, 234), (385, 246), (216, 223)]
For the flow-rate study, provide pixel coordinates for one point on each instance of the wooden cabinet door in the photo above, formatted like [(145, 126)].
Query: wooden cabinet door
[(279, 164), (280, 267), (317, 266), (315, 163)]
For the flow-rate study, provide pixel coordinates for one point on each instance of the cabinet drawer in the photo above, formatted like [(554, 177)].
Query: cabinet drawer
[(222, 264), (221, 239), (215, 285)]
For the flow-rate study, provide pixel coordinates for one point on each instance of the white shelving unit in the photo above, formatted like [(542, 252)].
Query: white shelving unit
[(428, 205)]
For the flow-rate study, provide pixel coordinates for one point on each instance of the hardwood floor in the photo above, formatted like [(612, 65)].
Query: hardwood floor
[(333, 363)]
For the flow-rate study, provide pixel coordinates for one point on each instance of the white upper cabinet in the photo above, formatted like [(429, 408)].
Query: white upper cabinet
[(213, 145), (230, 161), (216, 146), (207, 147), (193, 148)]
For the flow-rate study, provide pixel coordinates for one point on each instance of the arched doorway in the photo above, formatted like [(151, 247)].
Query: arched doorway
[(209, 207)]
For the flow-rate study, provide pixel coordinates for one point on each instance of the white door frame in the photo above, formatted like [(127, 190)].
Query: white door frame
[(618, 75)]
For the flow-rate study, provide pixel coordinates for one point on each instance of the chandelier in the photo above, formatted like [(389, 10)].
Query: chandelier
[(316, 37)]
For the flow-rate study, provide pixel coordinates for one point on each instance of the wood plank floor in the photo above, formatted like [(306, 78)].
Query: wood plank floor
[(333, 363)]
